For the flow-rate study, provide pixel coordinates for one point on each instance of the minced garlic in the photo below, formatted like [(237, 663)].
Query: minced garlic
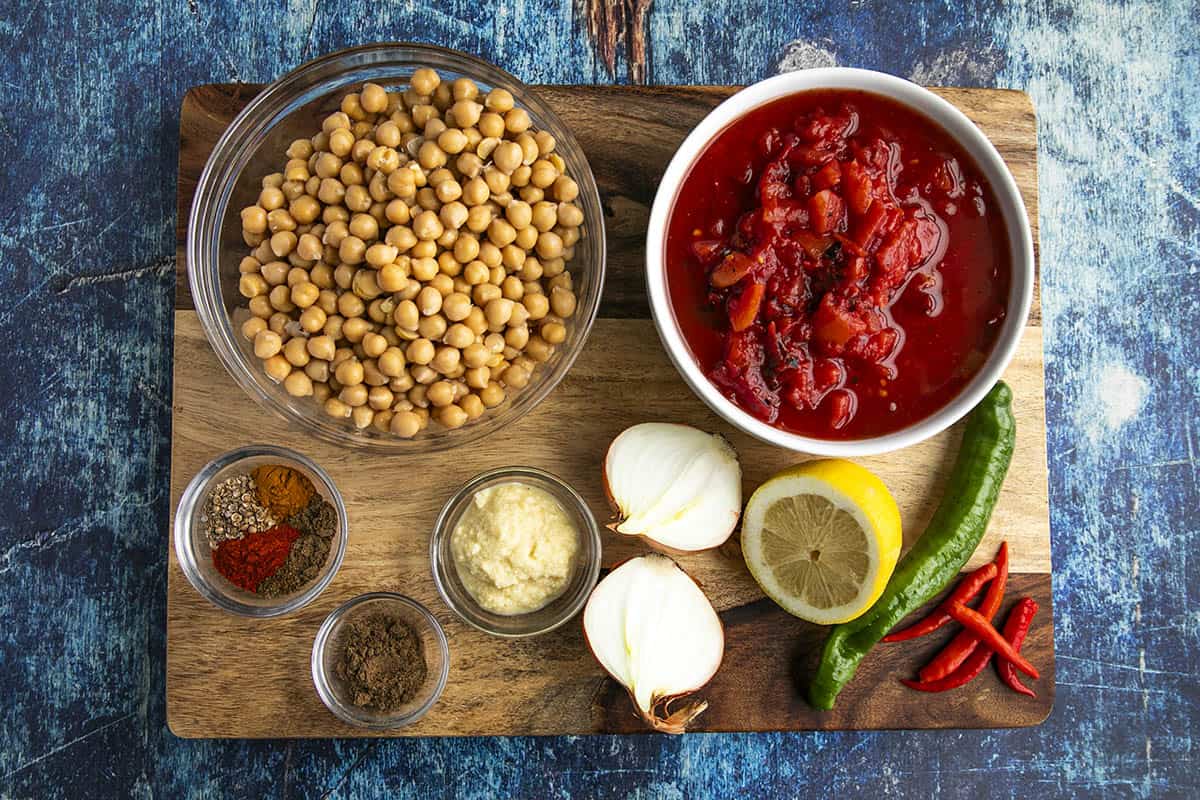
[(514, 548)]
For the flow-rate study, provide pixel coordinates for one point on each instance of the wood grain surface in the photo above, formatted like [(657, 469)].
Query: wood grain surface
[(551, 685)]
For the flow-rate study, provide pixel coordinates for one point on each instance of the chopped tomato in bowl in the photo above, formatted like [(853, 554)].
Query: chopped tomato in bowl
[(839, 266)]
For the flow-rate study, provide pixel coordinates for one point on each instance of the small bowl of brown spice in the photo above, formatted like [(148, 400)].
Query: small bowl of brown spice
[(380, 661), (260, 531)]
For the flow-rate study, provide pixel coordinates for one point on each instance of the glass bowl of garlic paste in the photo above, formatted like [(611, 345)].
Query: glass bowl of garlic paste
[(515, 552)]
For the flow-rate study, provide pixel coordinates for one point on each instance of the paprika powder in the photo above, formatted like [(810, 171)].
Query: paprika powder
[(248, 561)]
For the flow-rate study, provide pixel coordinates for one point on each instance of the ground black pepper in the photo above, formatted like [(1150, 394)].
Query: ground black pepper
[(317, 517), (303, 564), (381, 662)]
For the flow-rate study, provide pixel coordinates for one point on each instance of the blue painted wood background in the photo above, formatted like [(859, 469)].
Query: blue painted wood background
[(89, 101)]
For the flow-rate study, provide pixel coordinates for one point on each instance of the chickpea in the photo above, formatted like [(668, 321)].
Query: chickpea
[(354, 396), (317, 370), (298, 384), (355, 329), (277, 368), (267, 343), (500, 233), (496, 179), (512, 288), (429, 301), (498, 312), (492, 395), (440, 393), (405, 424), (538, 305), (366, 285), (373, 98), (553, 332), (382, 421), (336, 408), (420, 351), (259, 306), (538, 349), (380, 397), (391, 362), (254, 219), (363, 227), (517, 337), (516, 120), (499, 100), (254, 326), (456, 306), (452, 416), (515, 377), (507, 156), (251, 286), (427, 226), (446, 359), (459, 336), (374, 345), (349, 372), (432, 327), (570, 215), (549, 245), (519, 214), (333, 326), (296, 352), (472, 406), (362, 417), (565, 189), (406, 315)]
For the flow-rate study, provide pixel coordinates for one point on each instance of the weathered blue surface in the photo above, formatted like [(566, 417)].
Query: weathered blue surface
[(89, 99)]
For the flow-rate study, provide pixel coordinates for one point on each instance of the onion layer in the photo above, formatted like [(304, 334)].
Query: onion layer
[(678, 487), (651, 627)]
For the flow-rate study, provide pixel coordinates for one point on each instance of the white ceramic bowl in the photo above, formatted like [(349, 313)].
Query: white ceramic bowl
[(962, 130)]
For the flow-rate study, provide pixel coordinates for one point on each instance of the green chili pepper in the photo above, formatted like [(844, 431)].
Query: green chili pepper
[(938, 556)]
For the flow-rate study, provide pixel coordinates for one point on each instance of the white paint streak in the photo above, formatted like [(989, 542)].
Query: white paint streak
[(1117, 397), (960, 67), (802, 54)]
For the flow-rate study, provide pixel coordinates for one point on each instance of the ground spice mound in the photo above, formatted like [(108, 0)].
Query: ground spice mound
[(282, 489), (248, 561), (303, 564), (382, 662), (317, 517)]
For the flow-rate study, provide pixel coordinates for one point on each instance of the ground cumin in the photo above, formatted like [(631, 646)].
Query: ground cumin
[(381, 662)]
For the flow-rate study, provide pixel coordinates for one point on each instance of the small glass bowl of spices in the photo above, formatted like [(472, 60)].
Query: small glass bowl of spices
[(260, 531), (515, 552), (380, 661)]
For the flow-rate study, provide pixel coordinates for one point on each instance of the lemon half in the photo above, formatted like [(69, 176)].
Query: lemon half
[(822, 539)]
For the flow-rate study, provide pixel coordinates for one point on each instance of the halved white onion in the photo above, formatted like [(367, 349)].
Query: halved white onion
[(679, 487), (651, 627)]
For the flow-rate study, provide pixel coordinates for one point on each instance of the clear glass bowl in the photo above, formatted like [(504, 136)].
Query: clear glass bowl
[(325, 652), (292, 107), (195, 554), (558, 611)]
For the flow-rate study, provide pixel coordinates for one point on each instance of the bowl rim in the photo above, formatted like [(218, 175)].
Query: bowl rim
[(196, 491), (223, 170), (956, 125), (321, 681), (442, 532)]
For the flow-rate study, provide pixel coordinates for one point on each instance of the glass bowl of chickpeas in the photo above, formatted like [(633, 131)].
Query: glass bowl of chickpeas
[(398, 247)]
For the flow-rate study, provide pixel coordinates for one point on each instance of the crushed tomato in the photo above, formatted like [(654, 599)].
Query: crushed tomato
[(836, 264)]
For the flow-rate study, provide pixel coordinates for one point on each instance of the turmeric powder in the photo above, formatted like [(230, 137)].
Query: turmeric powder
[(283, 490)]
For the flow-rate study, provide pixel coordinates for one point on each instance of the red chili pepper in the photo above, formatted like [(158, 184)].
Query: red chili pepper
[(1015, 628), (990, 637), (966, 673), (965, 643), (966, 590)]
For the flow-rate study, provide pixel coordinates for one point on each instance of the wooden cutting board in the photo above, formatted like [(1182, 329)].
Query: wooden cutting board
[(234, 677)]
